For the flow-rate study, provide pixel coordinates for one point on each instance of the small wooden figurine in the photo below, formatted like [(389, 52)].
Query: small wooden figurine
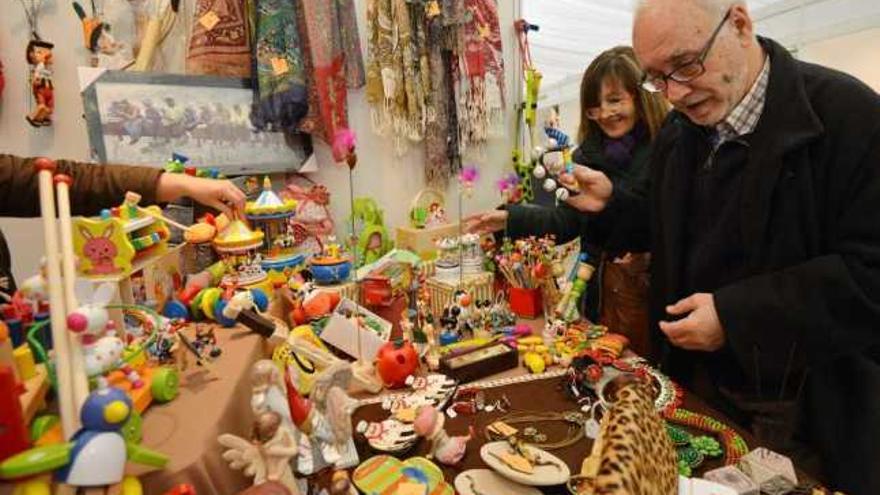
[(447, 450), (267, 456), (268, 390), (39, 56)]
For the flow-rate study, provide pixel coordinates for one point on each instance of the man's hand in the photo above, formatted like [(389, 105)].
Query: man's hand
[(700, 330), (486, 222), (221, 195), (594, 186)]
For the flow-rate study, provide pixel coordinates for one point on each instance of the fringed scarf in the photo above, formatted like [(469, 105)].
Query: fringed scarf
[(483, 73), (280, 95), (395, 79), (220, 42), (335, 62), (435, 72)]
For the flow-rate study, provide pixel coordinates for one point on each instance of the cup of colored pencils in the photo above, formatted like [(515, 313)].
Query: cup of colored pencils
[(526, 264)]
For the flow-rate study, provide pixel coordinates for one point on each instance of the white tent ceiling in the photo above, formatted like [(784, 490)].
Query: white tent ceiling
[(572, 32)]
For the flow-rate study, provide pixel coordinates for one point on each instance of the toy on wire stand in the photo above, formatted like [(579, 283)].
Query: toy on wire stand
[(447, 450), (552, 166), (267, 456), (96, 455)]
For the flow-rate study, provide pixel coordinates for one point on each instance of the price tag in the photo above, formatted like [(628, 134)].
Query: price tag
[(209, 20), (279, 66)]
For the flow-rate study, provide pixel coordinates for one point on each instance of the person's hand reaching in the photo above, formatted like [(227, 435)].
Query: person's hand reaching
[(486, 223), (594, 188), (221, 195)]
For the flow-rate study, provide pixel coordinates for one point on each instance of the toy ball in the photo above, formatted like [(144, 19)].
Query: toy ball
[(219, 306), (396, 361), (261, 300), (549, 185), (537, 152), (175, 310), (539, 172), (562, 194)]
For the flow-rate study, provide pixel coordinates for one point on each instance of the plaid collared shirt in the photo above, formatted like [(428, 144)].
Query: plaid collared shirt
[(744, 117)]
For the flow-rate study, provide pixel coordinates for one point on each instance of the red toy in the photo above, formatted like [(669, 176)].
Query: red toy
[(13, 433), (396, 361)]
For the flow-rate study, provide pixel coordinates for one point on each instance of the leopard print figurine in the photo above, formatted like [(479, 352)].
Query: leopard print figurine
[(637, 457)]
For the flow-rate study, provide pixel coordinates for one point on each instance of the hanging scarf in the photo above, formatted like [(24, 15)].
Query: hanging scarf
[(335, 60), (395, 79), (437, 170), (219, 44), (280, 97), (482, 77)]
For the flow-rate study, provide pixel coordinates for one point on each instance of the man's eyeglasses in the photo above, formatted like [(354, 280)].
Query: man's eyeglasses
[(686, 72)]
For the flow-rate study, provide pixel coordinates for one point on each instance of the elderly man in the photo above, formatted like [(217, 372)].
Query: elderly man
[(764, 232)]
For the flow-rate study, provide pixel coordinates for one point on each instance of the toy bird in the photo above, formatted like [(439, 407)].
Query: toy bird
[(96, 454)]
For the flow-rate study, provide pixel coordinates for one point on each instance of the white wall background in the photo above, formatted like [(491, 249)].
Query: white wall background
[(393, 181)]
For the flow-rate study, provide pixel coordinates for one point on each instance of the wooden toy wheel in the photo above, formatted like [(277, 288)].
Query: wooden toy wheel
[(165, 384), (132, 430)]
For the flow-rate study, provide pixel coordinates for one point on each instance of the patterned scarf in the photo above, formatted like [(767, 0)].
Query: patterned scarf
[(280, 95), (220, 42), (335, 63)]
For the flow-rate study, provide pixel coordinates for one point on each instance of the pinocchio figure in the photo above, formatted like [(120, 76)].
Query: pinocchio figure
[(39, 56)]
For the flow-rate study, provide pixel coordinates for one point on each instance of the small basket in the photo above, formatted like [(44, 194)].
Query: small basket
[(420, 207)]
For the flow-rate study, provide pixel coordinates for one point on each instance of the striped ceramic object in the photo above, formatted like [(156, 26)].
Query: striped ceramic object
[(385, 475)]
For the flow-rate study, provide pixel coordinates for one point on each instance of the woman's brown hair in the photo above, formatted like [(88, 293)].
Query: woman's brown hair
[(619, 63)]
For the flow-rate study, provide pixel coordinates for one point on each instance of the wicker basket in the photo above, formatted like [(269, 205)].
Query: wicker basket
[(441, 291)]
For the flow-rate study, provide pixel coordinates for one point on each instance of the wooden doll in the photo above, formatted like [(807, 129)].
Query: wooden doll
[(39, 56)]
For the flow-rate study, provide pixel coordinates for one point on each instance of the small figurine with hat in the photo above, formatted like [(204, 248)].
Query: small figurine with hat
[(39, 56)]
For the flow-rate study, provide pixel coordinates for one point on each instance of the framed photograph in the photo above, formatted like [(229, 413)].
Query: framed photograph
[(141, 118)]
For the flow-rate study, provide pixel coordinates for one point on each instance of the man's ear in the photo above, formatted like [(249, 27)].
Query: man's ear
[(742, 21)]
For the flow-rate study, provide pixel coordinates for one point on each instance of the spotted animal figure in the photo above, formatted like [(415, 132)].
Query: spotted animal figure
[(637, 457)]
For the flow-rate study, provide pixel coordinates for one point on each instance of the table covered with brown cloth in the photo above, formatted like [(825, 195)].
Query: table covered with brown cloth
[(216, 400)]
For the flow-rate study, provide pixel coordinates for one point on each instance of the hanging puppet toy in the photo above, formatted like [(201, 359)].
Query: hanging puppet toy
[(39, 56)]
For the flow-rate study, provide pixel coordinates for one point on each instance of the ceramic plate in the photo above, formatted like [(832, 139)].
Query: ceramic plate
[(479, 481), (555, 474)]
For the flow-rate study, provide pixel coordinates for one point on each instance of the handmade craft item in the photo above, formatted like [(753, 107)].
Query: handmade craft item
[(332, 46), (486, 481), (555, 168), (734, 445), (219, 43), (773, 473), (524, 464), (108, 50), (39, 56), (396, 361), (483, 361), (373, 240), (238, 247), (325, 421), (385, 474), (267, 456), (280, 95), (734, 478), (96, 454), (447, 450), (272, 216), (504, 428), (632, 448)]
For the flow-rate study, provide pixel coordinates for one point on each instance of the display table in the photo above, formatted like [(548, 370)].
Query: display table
[(216, 400)]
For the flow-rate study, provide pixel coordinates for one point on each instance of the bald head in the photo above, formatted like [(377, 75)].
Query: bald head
[(712, 7), (713, 39)]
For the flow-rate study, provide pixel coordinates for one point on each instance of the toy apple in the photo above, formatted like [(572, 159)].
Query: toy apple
[(396, 361)]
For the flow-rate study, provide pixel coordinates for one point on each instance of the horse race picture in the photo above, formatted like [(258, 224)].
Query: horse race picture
[(144, 118)]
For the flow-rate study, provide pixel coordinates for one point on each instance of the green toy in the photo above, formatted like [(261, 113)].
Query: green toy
[(373, 240)]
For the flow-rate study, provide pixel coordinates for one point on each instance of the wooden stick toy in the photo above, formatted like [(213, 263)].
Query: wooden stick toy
[(58, 315), (79, 380)]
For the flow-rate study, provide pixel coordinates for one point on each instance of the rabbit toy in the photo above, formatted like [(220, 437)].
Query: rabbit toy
[(102, 349)]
